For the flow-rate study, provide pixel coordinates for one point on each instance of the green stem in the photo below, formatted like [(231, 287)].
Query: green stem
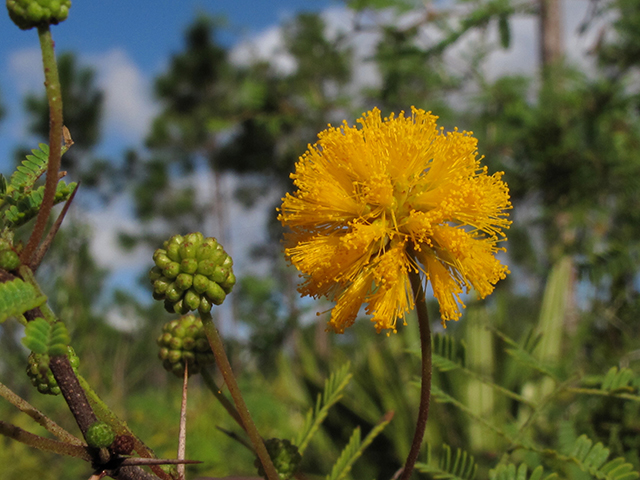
[(425, 389), (225, 369), (54, 95)]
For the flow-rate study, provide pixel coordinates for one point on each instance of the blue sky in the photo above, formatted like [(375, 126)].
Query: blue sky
[(137, 36)]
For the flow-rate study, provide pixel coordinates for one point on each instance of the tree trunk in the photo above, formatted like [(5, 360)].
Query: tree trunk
[(551, 45)]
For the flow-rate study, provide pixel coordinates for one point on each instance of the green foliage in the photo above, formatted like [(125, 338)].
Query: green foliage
[(618, 380), (333, 388), (509, 472), (17, 297), (44, 338), (461, 467), (447, 354), (20, 197), (591, 458), (354, 450), (31, 169)]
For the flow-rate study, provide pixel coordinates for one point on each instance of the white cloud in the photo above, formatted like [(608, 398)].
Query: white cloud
[(106, 225), (129, 107), (25, 66), (268, 45)]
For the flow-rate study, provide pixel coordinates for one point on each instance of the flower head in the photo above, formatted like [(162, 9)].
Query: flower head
[(395, 196)]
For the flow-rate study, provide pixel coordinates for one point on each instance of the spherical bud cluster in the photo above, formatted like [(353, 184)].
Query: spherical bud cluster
[(191, 273), (41, 375), (27, 14), (284, 455), (99, 435), (184, 341), (9, 259)]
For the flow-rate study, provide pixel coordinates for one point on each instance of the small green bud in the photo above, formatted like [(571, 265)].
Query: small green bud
[(174, 356), (171, 270), (200, 283), (9, 260), (215, 293), (220, 274), (206, 267), (189, 249), (155, 274), (173, 293), (205, 305), (189, 265), (191, 299), (189, 343), (99, 435), (184, 281), (161, 284), (173, 252), (163, 354)]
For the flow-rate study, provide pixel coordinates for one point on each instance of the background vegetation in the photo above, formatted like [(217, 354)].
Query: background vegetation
[(522, 372)]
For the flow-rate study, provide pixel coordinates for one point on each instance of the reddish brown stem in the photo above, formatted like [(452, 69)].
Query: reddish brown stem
[(54, 95), (425, 388)]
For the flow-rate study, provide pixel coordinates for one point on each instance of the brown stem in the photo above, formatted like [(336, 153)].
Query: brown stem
[(72, 392), (182, 432), (44, 444), (54, 95), (38, 416), (425, 389)]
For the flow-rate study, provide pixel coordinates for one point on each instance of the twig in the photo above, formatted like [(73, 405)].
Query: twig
[(44, 247), (182, 434)]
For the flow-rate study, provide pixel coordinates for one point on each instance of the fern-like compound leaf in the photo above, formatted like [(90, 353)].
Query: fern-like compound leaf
[(447, 354), (31, 169), (591, 459), (27, 206), (333, 388), (44, 338), (354, 449), (617, 380), (18, 297), (509, 472), (460, 466)]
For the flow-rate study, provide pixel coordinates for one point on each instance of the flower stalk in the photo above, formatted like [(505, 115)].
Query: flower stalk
[(425, 386), (54, 95), (227, 373)]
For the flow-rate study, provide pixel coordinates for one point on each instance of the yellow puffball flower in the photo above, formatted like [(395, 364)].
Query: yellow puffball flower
[(393, 196)]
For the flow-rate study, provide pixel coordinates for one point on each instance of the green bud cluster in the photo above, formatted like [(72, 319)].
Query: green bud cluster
[(9, 259), (184, 341), (191, 273), (27, 14), (41, 375), (99, 435), (284, 455)]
